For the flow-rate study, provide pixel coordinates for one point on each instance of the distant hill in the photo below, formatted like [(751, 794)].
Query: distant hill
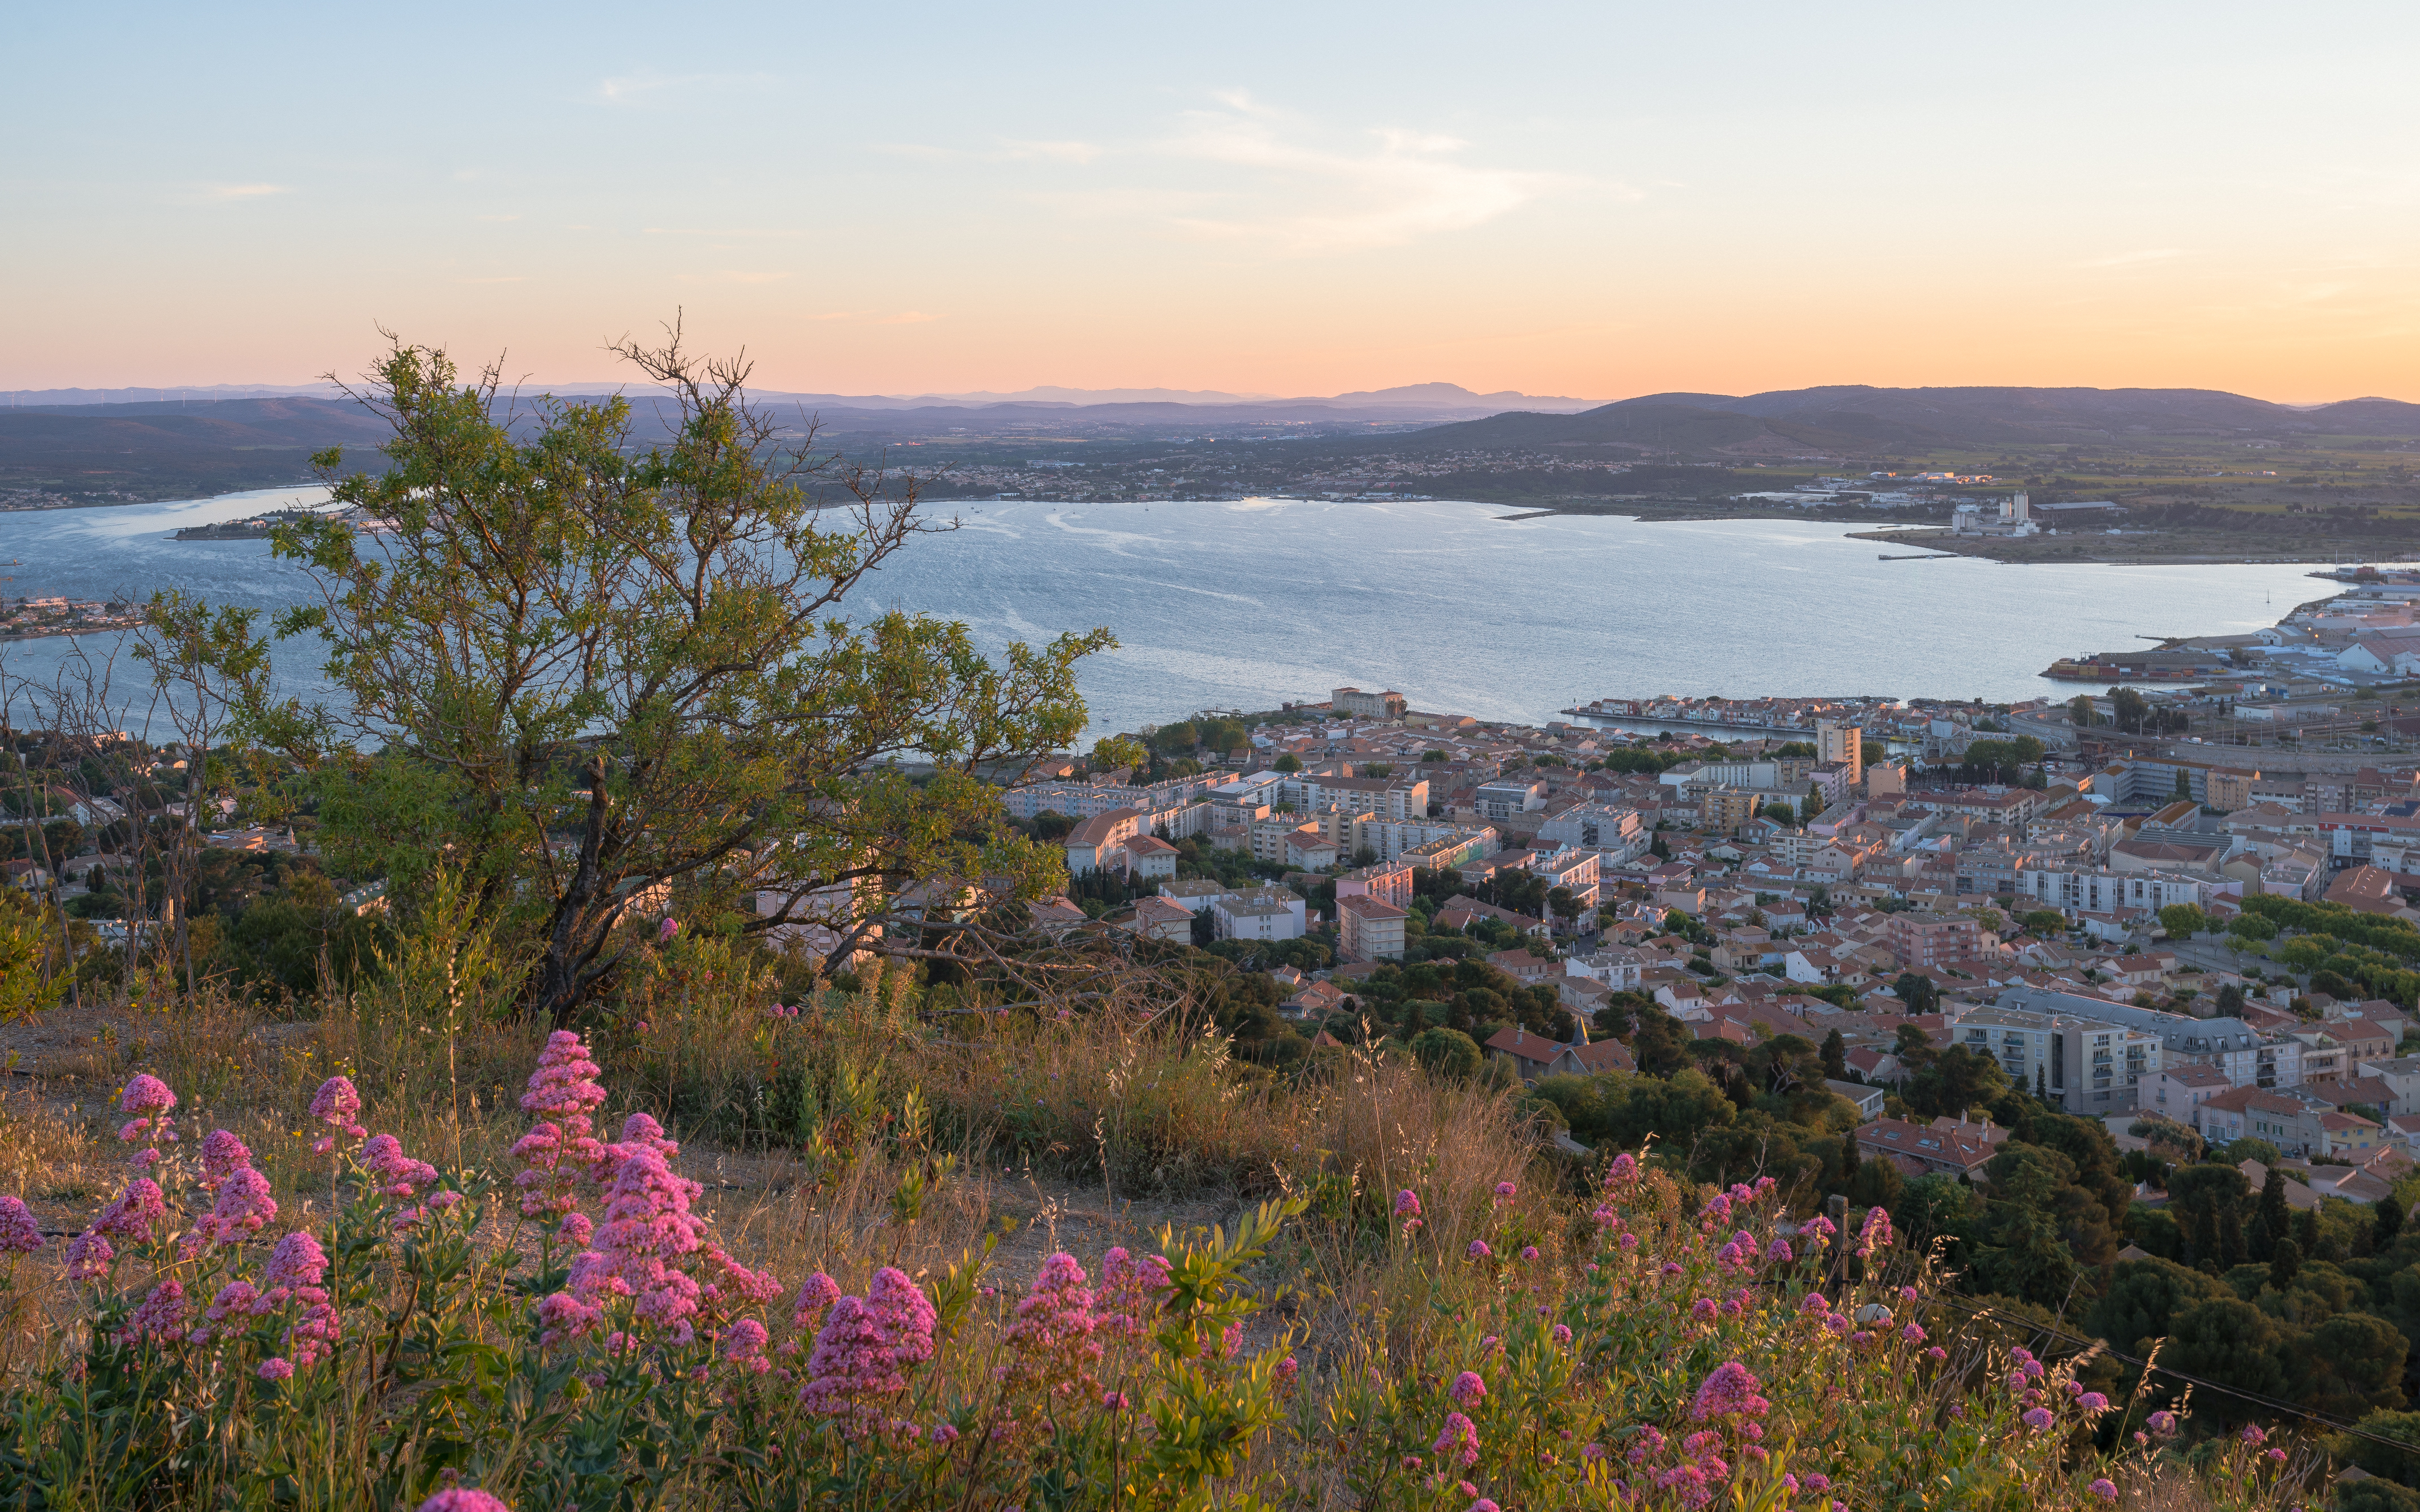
[(1854, 418), (152, 448)]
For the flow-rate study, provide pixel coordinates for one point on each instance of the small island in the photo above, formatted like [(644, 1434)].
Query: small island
[(256, 528), (23, 619)]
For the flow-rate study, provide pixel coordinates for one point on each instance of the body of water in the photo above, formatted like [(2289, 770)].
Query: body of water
[(1247, 604)]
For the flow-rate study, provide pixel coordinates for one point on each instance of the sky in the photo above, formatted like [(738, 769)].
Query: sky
[(1598, 200)]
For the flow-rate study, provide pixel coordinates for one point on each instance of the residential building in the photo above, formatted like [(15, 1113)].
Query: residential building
[(1386, 706), (1419, 841), (1395, 799), (1311, 850), (2249, 1057), (1922, 940), (1159, 919), (1370, 928), (1867, 1100), (1607, 828), (1260, 914), (2176, 1091), (1507, 796), (1618, 969), (2108, 891), (1194, 896), (1098, 844), (2087, 1067), (1918, 1149), (1388, 882), (2296, 1124), (1451, 851), (1150, 857), (1576, 870), (1727, 810), (1844, 743), (2396, 1084)]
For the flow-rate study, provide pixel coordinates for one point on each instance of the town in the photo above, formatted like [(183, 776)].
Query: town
[(2096, 910)]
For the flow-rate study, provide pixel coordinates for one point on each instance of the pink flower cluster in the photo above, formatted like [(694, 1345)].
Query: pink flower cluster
[(864, 1351), (1052, 1336), (564, 1091), (337, 1105), (149, 1098), (19, 1233), (1130, 1291), (1875, 1233)]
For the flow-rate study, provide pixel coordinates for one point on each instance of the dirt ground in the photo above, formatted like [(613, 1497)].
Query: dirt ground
[(58, 1152)]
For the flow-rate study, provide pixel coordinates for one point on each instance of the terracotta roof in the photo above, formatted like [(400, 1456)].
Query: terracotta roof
[(1935, 1147)]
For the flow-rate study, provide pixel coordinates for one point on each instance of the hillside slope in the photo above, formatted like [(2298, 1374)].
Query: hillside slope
[(1855, 416)]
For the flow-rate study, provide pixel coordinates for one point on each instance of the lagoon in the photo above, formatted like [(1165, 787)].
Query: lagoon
[(1249, 603)]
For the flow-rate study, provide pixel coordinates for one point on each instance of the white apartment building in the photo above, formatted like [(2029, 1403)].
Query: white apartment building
[(1260, 914), (2105, 893), (1507, 796), (2086, 1066), (1391, 838), (1615, 833), (2249, 1057), (1083, 800)]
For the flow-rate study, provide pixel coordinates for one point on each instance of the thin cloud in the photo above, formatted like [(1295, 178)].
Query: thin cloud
[(514, 280), (652, 89), (236, 191), (499, 217), (1308, 199), (2130, 259), (908, 317), (1015, 151), (717, 231)]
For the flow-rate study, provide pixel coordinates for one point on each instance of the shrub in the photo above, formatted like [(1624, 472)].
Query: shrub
[(578, 1336)]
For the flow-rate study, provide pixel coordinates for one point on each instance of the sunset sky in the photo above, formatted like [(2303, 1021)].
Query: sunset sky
[(1596, 200)]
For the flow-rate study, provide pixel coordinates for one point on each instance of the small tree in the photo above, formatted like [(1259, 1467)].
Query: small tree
[(597, 675)]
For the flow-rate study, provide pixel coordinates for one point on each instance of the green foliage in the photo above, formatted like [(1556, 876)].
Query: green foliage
[(29, 980), (1956, 1080), (1448, 1052), (2182, 921), (594, 667), (1621, 1109), (2394, 1464), (1998, 761)]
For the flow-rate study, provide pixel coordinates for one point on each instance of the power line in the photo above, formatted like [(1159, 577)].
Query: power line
[(2289, 1409)]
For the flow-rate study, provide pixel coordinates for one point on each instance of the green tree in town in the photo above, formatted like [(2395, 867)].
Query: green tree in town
[(1836, 1056), (2183, 920), (2230, 1341), (2272, 1221), (1917, 993), (591, 670), (2348, 1364), (1958, 1079), (2143, 1299), (1448, 1052), (1289, 762), (2284, 1264), (2126, 709)]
